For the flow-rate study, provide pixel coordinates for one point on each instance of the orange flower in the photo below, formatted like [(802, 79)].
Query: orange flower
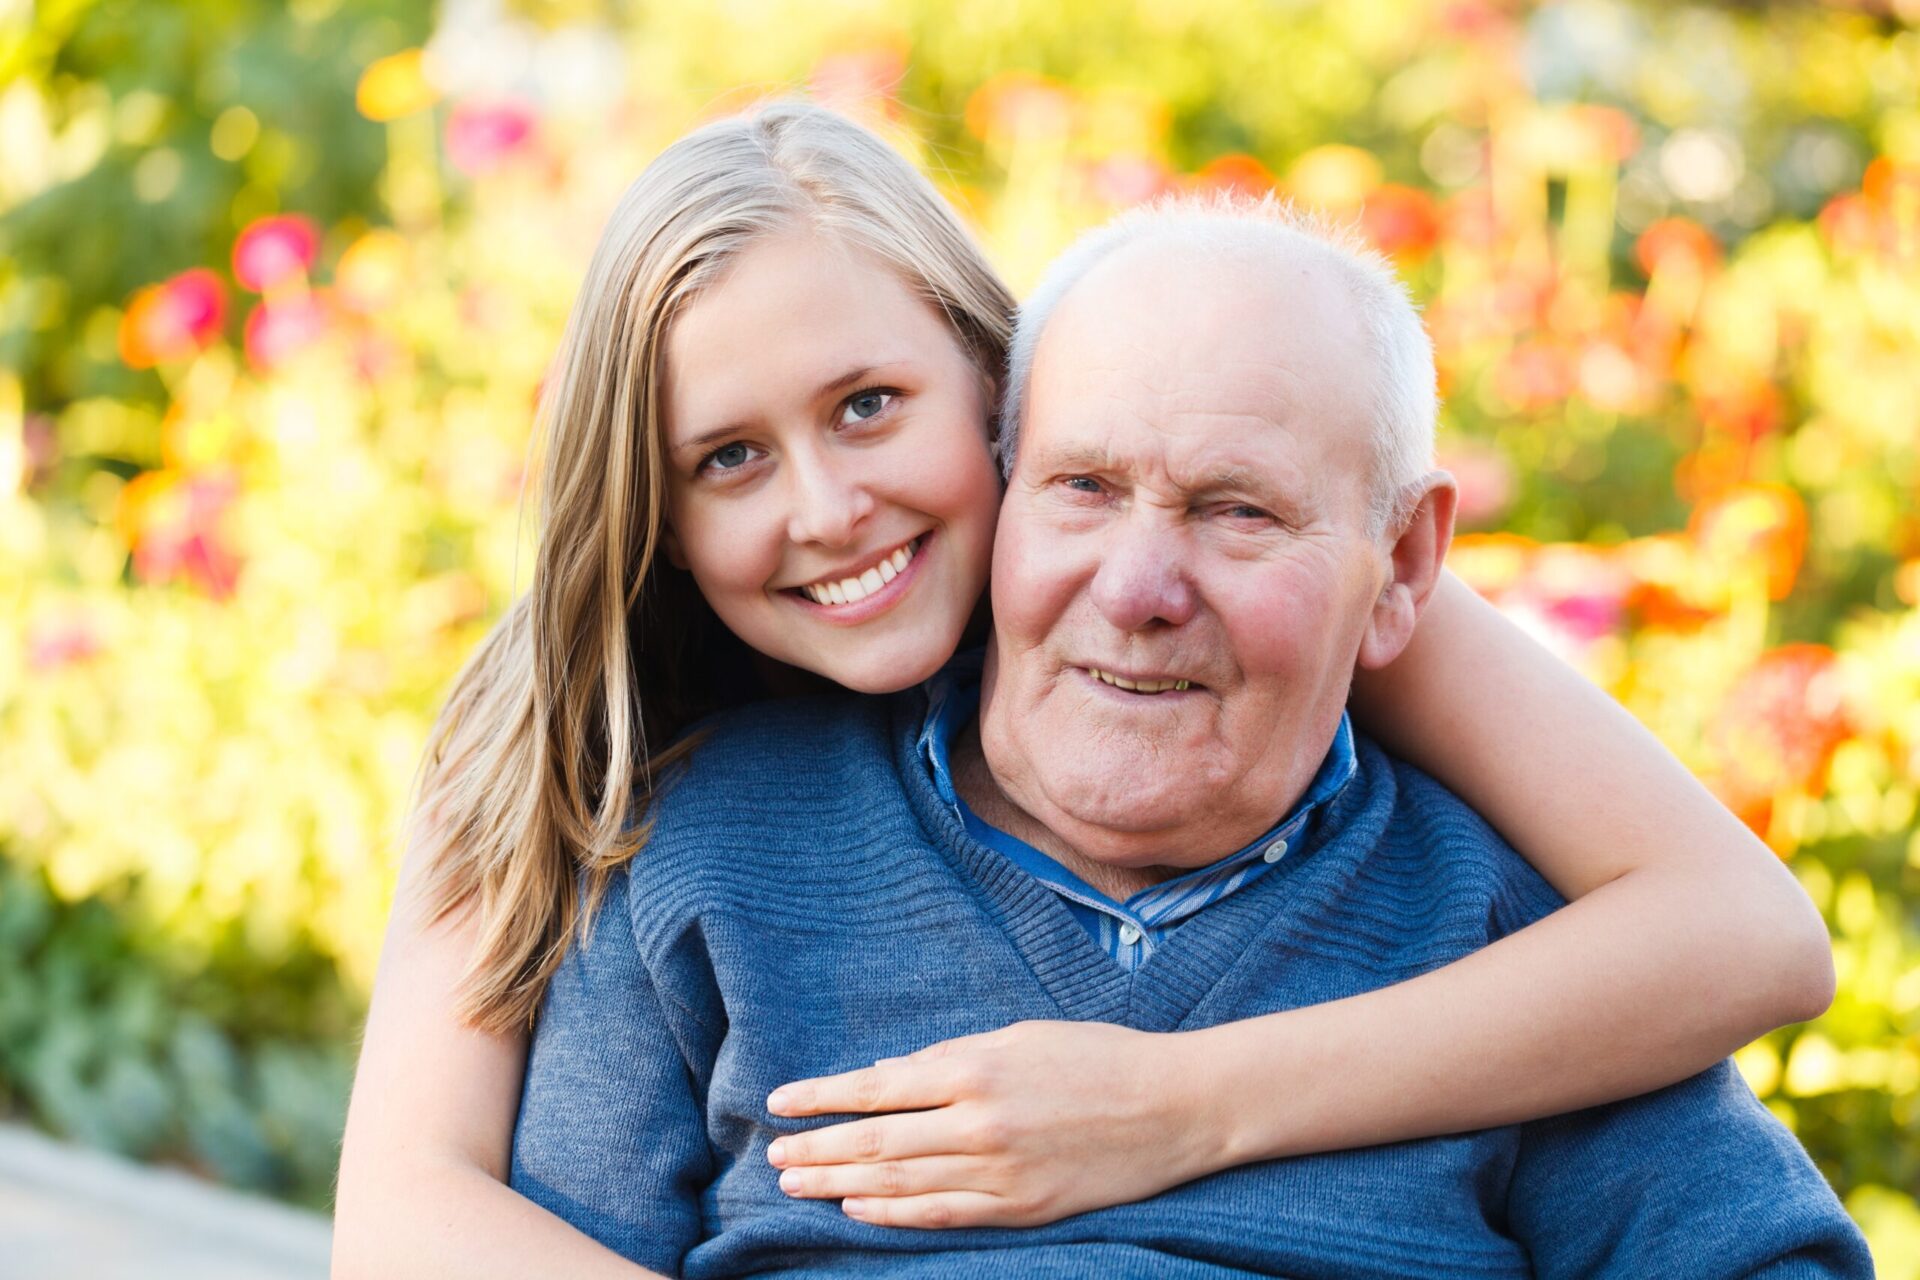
[(1402, 221), (1763, 524), (1234, 172), (1677, 242), (1777, 730), (1016, 103), (173, 320)]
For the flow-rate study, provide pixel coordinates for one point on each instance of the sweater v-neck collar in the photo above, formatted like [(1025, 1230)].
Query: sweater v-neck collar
[(1075, 971)]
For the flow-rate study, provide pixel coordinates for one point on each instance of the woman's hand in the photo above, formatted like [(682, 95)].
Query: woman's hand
[(1013, 1128)]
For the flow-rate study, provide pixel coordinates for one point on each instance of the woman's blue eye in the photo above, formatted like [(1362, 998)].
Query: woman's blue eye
[(864, 405), (728, 457)]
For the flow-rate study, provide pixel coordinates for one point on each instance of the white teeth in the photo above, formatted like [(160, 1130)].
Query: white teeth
[(1138, 686), (849, 590)]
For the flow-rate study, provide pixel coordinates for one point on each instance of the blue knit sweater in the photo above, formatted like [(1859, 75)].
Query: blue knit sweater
[(799, 910)]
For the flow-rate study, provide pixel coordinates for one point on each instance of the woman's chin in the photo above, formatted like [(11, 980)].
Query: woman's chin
[(887, 669)]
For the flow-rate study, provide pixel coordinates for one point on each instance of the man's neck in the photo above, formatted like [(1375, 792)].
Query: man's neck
[(976, 785)]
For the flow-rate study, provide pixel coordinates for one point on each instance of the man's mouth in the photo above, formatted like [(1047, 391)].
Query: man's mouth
[(856, 587), (1138, 684)]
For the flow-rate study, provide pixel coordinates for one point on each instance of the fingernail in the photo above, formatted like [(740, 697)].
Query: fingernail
[(853, 1206), (790, 1180), (778, 1098), (777, 1153)]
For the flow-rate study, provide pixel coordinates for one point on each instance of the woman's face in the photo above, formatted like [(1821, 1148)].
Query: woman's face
[(830, 485)]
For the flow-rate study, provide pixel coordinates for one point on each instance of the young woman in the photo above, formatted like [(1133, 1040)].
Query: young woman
[(787, 349)]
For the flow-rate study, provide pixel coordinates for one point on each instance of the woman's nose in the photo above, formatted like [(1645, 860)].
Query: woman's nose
[(829, 502)]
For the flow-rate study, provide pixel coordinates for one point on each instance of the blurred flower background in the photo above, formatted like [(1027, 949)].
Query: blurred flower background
[(278, 284)]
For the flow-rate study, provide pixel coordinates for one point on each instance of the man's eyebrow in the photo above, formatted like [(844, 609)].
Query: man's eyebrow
[(832, 386), (1081, 458)]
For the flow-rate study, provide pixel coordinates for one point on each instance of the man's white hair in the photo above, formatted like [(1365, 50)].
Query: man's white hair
[(1405, 402)]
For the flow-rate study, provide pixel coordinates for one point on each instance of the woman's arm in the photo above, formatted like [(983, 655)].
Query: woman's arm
[(424, 1164), (1685, 938)]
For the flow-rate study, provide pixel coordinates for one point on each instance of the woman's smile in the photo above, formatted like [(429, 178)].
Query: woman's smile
[(868, 591)]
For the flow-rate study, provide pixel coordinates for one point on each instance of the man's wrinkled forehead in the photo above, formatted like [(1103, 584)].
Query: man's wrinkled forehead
[(1213, 350)]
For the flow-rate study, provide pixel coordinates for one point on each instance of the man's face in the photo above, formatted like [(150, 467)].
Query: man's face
[(1188, 509)]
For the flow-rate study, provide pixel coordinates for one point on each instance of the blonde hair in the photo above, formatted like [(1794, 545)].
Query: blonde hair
[(1404, 394), (532, 792)]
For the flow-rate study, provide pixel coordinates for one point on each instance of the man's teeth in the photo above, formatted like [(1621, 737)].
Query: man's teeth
[(1138, 686), (848, 590)]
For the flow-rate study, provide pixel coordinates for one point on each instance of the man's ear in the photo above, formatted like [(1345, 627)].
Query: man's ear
[(1415, 560)]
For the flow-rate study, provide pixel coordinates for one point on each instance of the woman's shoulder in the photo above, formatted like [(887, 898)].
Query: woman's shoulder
[(772, 775)]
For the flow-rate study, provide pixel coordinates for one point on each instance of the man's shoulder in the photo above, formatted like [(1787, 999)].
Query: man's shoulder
[(1431, 836)]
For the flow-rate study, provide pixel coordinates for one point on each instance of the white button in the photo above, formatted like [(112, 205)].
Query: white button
[(1129, 935), (1275, 851)]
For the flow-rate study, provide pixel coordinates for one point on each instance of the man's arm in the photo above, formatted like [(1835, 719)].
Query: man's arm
[(1695, 1180), (611, 1136)]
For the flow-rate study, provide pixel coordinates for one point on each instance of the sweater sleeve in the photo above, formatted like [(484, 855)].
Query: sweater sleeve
[(611, 1135), (1694, 1180)]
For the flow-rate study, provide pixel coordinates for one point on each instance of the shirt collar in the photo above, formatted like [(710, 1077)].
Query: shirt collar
[(953, 698)]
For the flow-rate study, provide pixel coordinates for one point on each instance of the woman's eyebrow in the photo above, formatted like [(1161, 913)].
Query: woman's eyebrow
[(832, 386)]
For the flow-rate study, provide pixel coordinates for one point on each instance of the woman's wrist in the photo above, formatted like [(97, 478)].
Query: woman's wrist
[(1220, 1112)]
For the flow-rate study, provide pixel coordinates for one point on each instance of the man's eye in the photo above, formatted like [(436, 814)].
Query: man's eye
[(864, 406), (1241, 511), (728, 457), (1083, 484)]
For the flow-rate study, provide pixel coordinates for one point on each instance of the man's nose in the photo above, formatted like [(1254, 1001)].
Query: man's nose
[(1142, 579), (829, 501)]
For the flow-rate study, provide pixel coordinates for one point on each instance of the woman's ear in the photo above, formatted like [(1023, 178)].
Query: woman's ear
[(1415, 560), (670, 542)]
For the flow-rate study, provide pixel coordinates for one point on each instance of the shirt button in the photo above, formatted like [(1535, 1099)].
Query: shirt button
[(1275, 851), (1129, 934)]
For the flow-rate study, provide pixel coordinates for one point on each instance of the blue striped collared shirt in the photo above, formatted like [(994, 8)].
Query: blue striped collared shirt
[(1129, 931)]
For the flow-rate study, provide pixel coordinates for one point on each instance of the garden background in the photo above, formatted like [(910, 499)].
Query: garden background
[(279, 282)]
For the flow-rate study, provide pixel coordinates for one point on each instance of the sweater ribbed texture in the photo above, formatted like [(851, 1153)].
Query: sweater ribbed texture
[(807, 904)]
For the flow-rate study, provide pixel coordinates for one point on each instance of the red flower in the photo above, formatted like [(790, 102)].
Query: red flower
[(482, 136), (173, 320), (273, 250), (278, 329)]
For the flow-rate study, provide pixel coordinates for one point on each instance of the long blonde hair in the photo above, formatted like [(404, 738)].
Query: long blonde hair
[(535, 782)]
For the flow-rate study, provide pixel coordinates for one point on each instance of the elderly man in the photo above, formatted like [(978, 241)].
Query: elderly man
[(1218, 505)]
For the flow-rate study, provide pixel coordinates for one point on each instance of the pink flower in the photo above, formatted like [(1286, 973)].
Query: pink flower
[(57, 642), (173, 320), (180, 530), (278, 329), (481, 136), (273, 250)]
